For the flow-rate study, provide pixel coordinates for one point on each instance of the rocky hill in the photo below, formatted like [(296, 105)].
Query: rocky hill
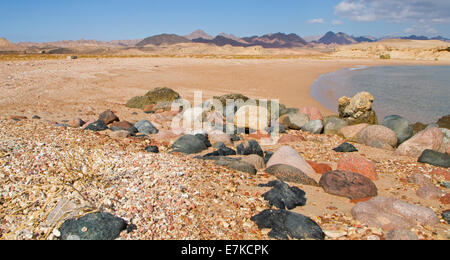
[(7, 46), (198, 34), (163, 39)]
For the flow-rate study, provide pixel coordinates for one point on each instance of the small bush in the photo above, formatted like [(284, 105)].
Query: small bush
[(385, 57)]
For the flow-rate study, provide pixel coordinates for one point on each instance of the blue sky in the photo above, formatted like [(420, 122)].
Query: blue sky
[(51, 20)]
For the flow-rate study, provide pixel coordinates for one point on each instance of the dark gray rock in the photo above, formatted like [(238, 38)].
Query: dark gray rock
[(314, 127), (250, 147), (235, 138), (189, 144), (133, 130), (97, 126), (204, 139), (401, 126), (446, 216), (222, 151), (146, 127), (348, 184), (285, 225), (152, 149), (36, 117), (94, 226), (345, 148), (288, 173), (267, 156), (237, 165), (282, 196), (435, 158)]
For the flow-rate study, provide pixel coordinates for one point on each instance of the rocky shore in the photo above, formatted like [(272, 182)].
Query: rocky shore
[(344, 177)]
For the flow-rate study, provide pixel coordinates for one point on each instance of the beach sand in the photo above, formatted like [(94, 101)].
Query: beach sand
[(60, 89)]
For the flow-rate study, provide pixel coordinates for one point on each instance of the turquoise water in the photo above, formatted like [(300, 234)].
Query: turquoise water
[(419, 93)]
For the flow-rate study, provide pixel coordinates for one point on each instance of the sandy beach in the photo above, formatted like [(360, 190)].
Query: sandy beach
[(62, 88)]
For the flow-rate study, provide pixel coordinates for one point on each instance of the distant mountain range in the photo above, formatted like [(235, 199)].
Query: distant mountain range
[(276, 40)]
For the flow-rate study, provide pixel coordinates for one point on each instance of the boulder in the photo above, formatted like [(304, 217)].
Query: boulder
[(332, 125), (446, 216), (350, 133), (285, 225), (320, 168), (222, 151), (291, 174), (435, 158), (250, 147), (345, 148), (152, 149), (94, 226), (284, 197), (124, 125), (294, 121), (97, 126), (189, 144), (348, 184), (153, 97), (108, 117), (358, 164), (444, 122), (377, 136), (401, 126), (312, 112), (390, 213), (218, 136), (314, 127), (146, 127), (76, 123), (429, 192), (430, 138), (358, 109), (120, 134), (287, 155), (400, 234), (255, 160), (237, 165)]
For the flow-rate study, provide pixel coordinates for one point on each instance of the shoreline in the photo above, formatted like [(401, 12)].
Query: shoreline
[(59, 89)]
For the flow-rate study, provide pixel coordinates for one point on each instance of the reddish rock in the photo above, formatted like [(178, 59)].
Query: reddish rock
[(259, 135), (125, 125), (377, 136), (439, 172), (320, 168), (445, 199), (390, 213), (429, 192), (358, 164), (348, 184), (312, 112), (431, 138), (350, 133), (108, 117), (285, 139)]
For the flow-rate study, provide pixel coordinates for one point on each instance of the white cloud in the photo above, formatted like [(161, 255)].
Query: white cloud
[(318, 20), (437, 11), (420, 15)]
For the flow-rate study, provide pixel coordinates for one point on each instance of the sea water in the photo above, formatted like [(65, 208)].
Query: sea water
[(418, 93)]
